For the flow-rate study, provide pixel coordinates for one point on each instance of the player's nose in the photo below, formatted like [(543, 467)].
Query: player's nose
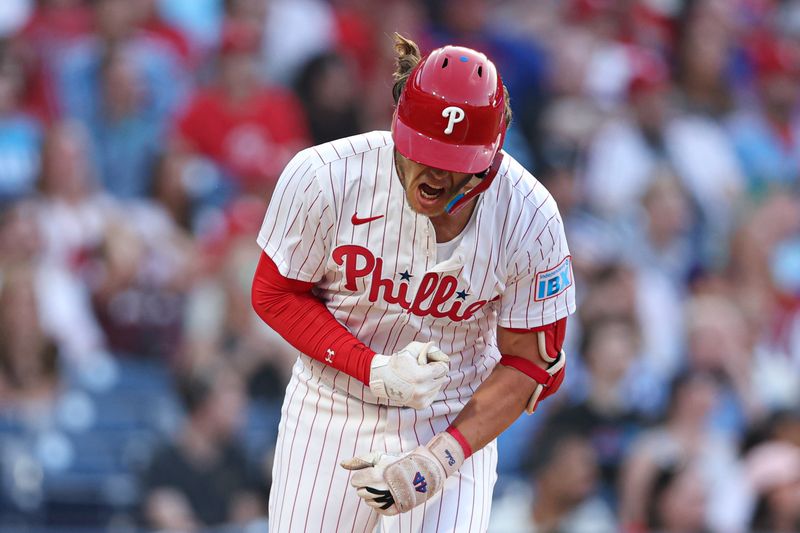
[(439, 174)]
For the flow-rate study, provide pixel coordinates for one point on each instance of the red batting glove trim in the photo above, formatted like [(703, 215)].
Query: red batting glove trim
[(465, 447)]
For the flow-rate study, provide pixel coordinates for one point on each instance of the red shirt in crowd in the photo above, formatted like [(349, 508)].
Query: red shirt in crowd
[(252, 140)]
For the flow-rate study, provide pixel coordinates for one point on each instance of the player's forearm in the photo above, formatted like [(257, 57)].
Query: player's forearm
[(529, 371), (289, 308), (496, 404)]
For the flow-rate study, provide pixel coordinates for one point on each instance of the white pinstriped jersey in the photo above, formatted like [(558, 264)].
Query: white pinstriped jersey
[(339, 218)]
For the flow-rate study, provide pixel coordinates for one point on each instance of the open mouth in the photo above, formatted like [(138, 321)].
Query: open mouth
[(430, 193)]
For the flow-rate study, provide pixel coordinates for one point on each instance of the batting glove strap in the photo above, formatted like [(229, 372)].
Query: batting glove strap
[(419, 475), (448, 451)]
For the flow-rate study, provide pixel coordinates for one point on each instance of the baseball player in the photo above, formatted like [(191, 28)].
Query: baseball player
[(425, 277)]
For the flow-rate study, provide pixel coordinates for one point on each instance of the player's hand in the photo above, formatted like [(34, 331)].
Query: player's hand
[(391, 484), (414, 376)]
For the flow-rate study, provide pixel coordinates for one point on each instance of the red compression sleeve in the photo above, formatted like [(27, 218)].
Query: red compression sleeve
[(289, 307)]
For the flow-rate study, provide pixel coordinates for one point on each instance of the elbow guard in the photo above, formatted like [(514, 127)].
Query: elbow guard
[(550, 339)]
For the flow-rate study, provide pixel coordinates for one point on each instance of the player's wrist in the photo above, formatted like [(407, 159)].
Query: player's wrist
[(375, 379), (447, 451)]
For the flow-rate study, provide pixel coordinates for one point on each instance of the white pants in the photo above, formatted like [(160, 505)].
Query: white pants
[(321, 426)]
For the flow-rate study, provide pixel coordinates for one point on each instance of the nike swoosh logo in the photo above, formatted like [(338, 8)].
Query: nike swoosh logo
[(358, 221)]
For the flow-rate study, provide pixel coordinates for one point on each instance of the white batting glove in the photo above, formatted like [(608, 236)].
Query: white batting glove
[(391, 484), (414, 376)]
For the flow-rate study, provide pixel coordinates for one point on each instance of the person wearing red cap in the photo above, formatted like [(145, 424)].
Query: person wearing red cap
[(425, 278), (250, 130)]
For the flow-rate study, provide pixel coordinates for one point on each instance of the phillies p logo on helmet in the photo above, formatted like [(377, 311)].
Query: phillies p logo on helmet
[(434, 101), (454, 115)]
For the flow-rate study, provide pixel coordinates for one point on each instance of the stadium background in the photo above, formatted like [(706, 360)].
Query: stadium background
[(139, 142)]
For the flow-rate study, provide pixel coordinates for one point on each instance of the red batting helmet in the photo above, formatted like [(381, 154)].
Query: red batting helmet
[(451, 113)]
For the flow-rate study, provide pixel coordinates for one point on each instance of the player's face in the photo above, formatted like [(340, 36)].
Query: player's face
[(428, 189)]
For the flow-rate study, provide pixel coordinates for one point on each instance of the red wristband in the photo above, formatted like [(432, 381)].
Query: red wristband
[(465, 447)]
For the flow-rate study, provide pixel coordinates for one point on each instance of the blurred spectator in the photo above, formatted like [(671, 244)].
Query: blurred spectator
[(660, 246), (762, 265), (773, 473), (127, 133), (662, 239), (71, 219), (610, 292), (249, 129), (172, 190), (125, 86), (284, 52), (719, 344), (770, 222), (147, 265), (629, 148), (153, 23), (704, 58), (685, 439), (203, 479), (327, 87), (54, 27), (363, 31), (767, 135), (562, 495), (29, 368), (74, 213), (601, 27), (679, 501), (20, 134), (20, 242), (605, 416), (219, 321), (198, 21)]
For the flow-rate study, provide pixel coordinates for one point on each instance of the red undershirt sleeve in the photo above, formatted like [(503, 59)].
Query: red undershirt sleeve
[(289, 307)]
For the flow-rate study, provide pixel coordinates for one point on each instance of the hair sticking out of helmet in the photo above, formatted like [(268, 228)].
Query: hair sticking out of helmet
[(452, 108), (408, 57)]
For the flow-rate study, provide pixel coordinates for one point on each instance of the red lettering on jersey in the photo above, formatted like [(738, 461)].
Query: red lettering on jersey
[(341, 253), (446, 289), (426, 289), (433, 293), (387, 285)]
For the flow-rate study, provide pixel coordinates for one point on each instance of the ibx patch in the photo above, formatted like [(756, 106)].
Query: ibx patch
[(553, 282)]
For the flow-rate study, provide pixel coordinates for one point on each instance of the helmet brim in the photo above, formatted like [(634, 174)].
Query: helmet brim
[(470, 159)]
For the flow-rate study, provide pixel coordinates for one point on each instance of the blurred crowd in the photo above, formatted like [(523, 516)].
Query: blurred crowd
[(140, 142)]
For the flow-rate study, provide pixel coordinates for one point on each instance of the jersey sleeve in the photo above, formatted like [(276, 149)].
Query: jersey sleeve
[(540, 287), (297, 227)]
